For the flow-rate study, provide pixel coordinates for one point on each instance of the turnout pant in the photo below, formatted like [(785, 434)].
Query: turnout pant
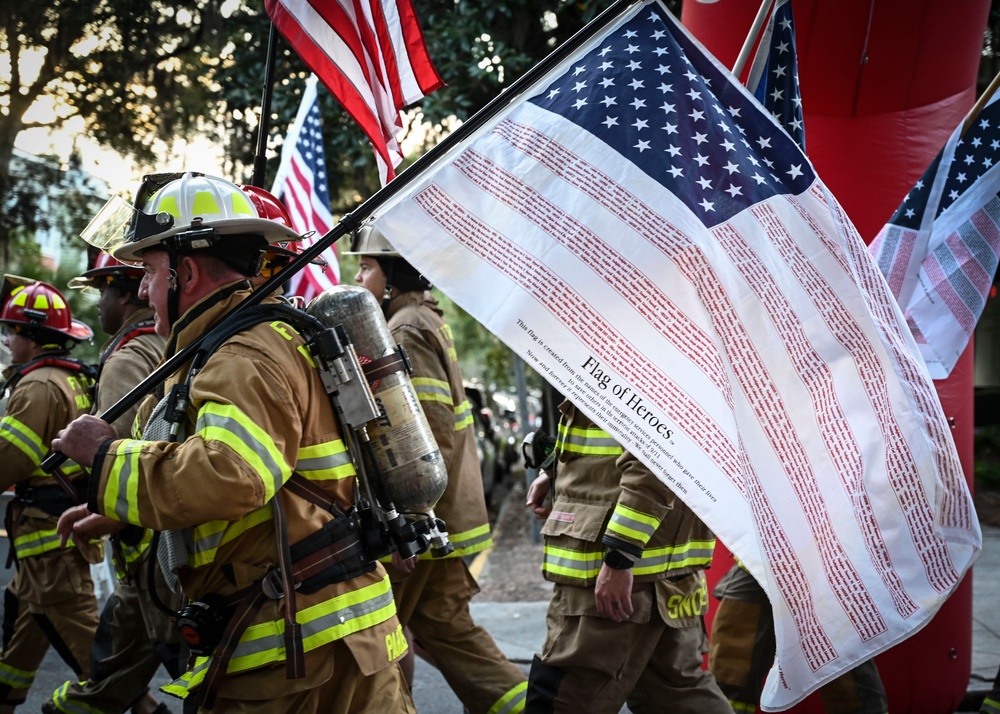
[(593, 664), (133, 639), (50, 601), (433, 601), (743, 646)]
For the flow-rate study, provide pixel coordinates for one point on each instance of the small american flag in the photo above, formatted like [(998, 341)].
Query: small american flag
[(301, 184), (774, 75), (939, 250)]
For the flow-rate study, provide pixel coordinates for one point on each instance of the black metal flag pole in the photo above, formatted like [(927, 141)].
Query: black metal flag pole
[(263, 129), (380, 198)]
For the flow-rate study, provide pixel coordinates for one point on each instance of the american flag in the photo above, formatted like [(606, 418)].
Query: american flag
[(301, 184), (774, 75), (661, 251), (939, 250), (370, 54)]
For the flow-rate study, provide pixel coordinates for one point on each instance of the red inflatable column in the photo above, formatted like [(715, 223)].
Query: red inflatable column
[(883, 86)]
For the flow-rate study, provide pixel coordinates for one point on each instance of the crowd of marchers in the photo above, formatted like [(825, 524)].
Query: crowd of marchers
[(264, 558)]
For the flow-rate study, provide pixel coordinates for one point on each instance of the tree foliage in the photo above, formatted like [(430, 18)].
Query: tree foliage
[(138, 72)]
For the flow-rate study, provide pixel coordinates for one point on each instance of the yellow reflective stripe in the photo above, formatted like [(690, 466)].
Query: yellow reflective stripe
[(633, 524), (182, 686), (512, 702), (327, 461), (72, 706), (228, 424), (37, 542), (742, 706), (325, 622), (131, 553), (26, 440), (15, 678), (585, 565), (432, 390), (463, 415), (69, 469), (467, 542), (582, 565), (693, 554), (588, 442), (204, 202), (990, 706), (209, 537), (121, 492)]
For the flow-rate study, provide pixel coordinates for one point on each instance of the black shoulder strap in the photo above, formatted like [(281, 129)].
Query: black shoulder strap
[(145, 327), (68, 363)]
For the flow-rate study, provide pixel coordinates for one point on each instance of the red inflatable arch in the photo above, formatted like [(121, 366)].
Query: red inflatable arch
[(883, 86)]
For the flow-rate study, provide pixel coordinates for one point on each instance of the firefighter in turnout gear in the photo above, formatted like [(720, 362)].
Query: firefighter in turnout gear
[(626, 557), (742, 651), (134, 637), (433, 594), (243, 467), (50, 599)]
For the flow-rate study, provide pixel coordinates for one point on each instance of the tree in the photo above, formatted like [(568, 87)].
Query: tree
[(134, 70)]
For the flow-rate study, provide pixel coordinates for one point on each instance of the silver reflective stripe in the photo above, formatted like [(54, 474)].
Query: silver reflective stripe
[(311, 628), (277, 471), (318, 464), (594, 442), (20, 436)]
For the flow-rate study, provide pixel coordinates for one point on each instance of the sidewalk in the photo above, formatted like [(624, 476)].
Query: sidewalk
[(985, 615)]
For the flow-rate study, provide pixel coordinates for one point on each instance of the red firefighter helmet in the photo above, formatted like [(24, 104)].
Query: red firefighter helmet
[(106, 269), (276, 255), (267, 204), (39, 307)]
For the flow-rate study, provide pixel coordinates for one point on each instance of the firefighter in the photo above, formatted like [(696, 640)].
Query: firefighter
[(433, 594), (243, 466), (50, 599), (133, 638), (627, 560), (743, 646)]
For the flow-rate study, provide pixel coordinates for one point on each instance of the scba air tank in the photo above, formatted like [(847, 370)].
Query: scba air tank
[(409, 466)]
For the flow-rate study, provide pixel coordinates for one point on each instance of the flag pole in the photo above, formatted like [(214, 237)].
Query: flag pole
[(351, 221), (264, 127), (758, 23), (980, 103)]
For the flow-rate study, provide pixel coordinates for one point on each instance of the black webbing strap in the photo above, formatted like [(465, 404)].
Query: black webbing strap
[(244, 616), (247, 610), (294, 653), (384, 366)]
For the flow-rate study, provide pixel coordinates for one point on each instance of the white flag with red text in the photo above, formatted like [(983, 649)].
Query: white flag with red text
[(644, 234)]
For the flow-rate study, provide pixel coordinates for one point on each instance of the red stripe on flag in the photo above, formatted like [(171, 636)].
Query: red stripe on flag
[(374, 64), (416, 49), (329, 73)]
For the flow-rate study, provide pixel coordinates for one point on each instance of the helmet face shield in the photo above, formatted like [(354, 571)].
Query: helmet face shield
[(109, 229), (119, 223)]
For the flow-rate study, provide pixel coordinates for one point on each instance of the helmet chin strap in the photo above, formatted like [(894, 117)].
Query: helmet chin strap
[(174, 294), (387, 294)]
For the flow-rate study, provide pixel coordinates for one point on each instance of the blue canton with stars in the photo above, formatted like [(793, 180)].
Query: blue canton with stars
[(309, 146), (975, 153), (652, 95), (778, 86)]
